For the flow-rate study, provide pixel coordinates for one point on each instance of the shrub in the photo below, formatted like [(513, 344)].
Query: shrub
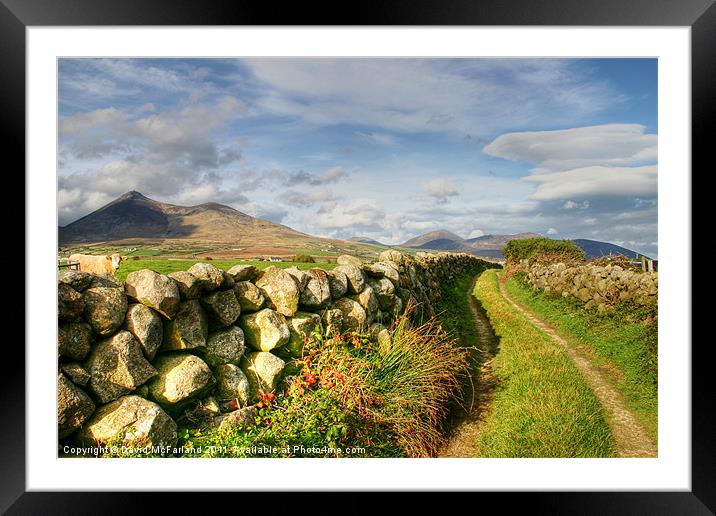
[(350, 392), (208, 258), (304, 258), (544, 250)]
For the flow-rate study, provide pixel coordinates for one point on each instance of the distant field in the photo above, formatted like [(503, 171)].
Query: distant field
[(167, 266), (144, 252)]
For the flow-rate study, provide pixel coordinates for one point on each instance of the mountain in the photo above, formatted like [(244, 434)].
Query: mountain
[(135, 216), (366, 240), (439, 237), (596, 249), (486, 245), (498, 241)]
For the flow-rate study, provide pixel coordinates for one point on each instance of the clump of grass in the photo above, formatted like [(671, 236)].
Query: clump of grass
[(416, 378)]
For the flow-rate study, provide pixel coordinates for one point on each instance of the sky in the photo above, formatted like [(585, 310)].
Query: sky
[(383, 148)]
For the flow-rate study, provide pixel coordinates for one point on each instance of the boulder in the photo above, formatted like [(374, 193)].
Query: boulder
[(70, 303), (73, 340), (249, 296), (243, 272), (222, 306), (146, 326), (133, 419), (232, 384), (74, 407), (354, 316), (240, 418), (346, 259), (280, 290), (338, 283), (332, 321), (105, 280), (188, 329), (262, 369), (392, 256), (105, 309), (265, 330), (368, 300), (384, 291), (154, 290), (356, 277), (225, 346), (385, 341), (79, 281), (117, 367), (189, 285), (210, 277), (76, 373), (182, 378), (317, 292), (388, 269), (228, 282), (300, 276), (300, 327)]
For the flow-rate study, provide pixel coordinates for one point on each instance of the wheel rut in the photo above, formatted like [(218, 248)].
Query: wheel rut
[(468, 422)]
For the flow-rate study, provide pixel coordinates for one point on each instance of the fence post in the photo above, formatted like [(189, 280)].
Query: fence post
[(643, 263), (651, 265)]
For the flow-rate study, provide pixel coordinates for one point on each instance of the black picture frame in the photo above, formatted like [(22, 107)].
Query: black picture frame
[(17, 15)]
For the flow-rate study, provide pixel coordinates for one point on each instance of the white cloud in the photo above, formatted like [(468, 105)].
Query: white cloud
[(610, 144), (476, 233), (552, 231), (572, 205), (92, 119), (440, 190), (419, 95), (595, 181), (304, 199), (357, 214)]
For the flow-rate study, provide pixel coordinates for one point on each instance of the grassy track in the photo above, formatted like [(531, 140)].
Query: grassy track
[(542, 406), (620, 344), (167, 266)]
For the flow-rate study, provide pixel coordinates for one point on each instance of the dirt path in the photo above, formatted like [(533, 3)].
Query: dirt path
[(468, 424), (631, 438)]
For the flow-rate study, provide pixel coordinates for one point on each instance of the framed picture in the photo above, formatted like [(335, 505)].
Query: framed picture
[(372, 165)]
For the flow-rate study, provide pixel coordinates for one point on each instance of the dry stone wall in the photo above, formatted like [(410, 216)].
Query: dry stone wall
[(134, 355), (598, 286)]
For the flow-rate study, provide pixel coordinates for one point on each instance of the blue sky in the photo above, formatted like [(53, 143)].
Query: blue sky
[(385, 148)]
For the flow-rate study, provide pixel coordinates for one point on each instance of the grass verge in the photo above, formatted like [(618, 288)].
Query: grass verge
[(621, 343), (542, 406)]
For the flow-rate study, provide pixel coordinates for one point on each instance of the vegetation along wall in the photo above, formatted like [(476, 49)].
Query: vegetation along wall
[(134, 355)]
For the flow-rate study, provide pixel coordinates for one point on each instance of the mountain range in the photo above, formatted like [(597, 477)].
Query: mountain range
[(135, 217)]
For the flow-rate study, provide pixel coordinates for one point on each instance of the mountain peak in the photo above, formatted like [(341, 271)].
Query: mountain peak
[(133, 194)]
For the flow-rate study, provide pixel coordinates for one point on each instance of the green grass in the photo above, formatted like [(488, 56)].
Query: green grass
[(619, 340), (454, 312), (167, 266), (541, 406), (144, 252)]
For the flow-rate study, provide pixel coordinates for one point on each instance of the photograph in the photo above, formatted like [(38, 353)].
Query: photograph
[(357, 257)]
